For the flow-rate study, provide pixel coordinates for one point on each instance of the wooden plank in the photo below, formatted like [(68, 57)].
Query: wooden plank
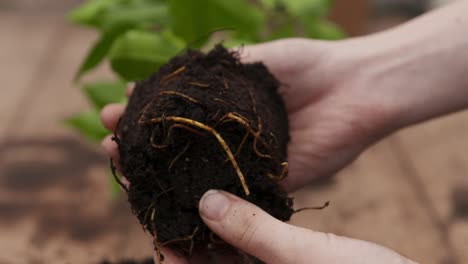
[(22, 50), (372, 200), (437, 153), (55, 198)]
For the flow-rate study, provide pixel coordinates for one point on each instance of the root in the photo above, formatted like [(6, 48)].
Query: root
[(116, 178), (145, 218), (198, 84), (154, 145), (215, 115), (147, 209), (283, 174), (186, 97), (173, 74), (325, 205), (179, 155), (169, 133), (145, 110), (218, 137), (259, 125), (224, 102), (254, 102), (241, 144), (182, 239), (257, 136), (157, 247), (232, 116)]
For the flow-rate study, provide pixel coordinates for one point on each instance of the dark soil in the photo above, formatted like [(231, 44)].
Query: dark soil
[(170, 143)]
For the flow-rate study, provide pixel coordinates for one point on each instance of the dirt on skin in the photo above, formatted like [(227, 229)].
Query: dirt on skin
[(203, 121)]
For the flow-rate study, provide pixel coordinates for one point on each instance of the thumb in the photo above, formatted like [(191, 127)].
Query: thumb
[(252, 230)]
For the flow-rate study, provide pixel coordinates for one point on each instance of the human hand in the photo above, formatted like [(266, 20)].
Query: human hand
[(248, 228), (332, 118), (327, 129)]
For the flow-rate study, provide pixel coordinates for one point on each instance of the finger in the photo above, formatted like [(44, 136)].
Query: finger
[(280, 56), (250, 229), (111, 149), (130, 88), (110, 115)]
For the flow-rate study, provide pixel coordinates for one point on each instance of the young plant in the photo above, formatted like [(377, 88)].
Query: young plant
[(137, 37)]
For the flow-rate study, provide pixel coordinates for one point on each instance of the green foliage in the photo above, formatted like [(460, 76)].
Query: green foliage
[(137, 54), (89, 125), (102, 93), (139, 36), (193, 19)]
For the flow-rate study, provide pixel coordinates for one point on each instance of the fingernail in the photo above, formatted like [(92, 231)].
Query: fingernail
[(214, 205)]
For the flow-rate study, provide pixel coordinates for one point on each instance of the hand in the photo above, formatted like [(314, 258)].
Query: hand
[(250, 229), (332, 118), (328, 129)]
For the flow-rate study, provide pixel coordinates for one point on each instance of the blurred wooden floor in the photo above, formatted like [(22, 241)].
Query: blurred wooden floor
[(409, 192)]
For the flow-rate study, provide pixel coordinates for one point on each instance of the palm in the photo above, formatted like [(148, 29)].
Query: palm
[(325, 134)]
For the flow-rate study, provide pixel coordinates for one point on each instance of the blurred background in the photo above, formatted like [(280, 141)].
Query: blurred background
[(408, 192)]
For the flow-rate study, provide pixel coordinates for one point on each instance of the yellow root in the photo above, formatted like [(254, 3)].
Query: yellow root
[(257, 136), (223, 102), (198, 84), (186, 238), (169, 133), (283, 174), (218, 137), (186, 97), (259, 124), (173, 74), (157, 247), (241, 144), (244, 122)]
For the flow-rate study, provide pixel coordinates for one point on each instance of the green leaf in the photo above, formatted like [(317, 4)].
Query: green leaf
[(311, 8), (137, 54), (145, 15), (235, 43), (89, 125), (270, 3), (105, 14), (192, 20), (284, 31), (88, 13), (103, 93), (100, 49)]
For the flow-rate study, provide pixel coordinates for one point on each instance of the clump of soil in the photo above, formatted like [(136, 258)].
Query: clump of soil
[(204, 121)]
